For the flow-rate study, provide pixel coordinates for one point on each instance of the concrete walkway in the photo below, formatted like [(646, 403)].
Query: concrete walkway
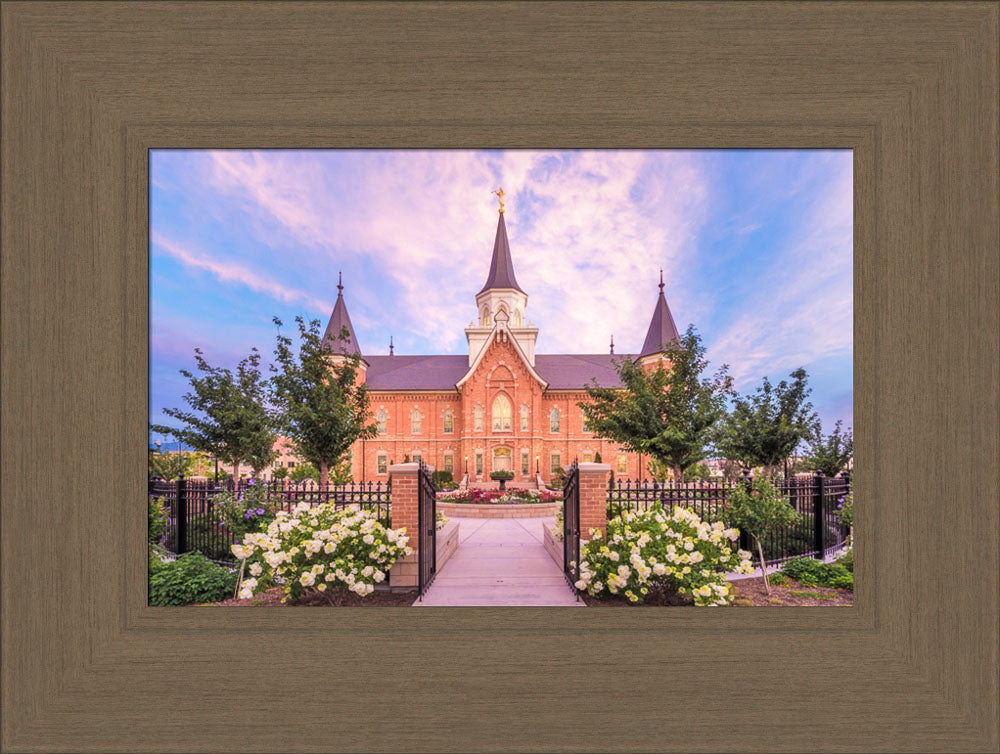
[(500, 562)]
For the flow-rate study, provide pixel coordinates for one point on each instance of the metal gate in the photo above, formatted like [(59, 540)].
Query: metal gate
[(571, 527), (427, 523)]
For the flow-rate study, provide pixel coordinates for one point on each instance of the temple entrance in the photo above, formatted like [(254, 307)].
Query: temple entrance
[(502, 459)]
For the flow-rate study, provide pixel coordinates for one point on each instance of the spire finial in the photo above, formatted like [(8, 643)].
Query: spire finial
[(391, 353), (499, 193), (340, 283), (612, 343), (661, 281)]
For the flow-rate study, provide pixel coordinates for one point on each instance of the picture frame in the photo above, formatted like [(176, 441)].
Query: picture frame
[(89, 88)]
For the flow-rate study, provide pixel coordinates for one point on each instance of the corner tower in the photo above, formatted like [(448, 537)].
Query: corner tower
[(340, 321), (662, 331), (501, 298)]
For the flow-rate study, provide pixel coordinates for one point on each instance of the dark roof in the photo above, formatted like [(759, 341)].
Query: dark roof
[(415, 372), (338, 320), (502, 267), (569, 370), (561, 371), (662, 329)]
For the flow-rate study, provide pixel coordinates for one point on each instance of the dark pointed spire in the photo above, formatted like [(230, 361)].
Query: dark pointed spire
[(391, 351), (502, 267), (339, 320), (662, 329), (612, 344)]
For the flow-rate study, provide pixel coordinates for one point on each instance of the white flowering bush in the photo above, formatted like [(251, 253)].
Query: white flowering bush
[(315, 548), (678, 551)]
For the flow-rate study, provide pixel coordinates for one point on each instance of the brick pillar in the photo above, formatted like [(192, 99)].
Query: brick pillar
[(404, 513), (593, 497)]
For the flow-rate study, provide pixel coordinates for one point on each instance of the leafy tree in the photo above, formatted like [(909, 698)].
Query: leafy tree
[(169, 466), (324, 406), (695, 472), (666, 413), (731, 470), (230, 419), (763, 429), (341, 472), (832, 453), (279, 473), (597, 457), (304, 471), (760, 509)]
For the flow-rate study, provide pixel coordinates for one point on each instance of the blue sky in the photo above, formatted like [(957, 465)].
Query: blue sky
[(756, 249)]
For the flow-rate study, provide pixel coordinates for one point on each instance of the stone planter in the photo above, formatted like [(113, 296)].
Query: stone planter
[(502, 477), (499, 510)]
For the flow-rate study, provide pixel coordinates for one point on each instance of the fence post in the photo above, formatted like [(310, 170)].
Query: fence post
[(593, 483), (181, 514), (405, 512), (819, 523)]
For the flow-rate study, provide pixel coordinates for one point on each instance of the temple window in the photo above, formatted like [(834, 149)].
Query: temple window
[(380, 421), (501, 414), (554, 420)]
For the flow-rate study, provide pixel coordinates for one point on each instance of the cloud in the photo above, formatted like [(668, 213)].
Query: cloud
[(807, 313), (597, 224), (230, 272)]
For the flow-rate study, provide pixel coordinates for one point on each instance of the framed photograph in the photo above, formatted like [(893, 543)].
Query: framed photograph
[(97, 95)]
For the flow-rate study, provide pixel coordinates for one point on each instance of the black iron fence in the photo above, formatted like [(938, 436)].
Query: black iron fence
[(816, 532), (427, 526), (571, 526), (194, 509)]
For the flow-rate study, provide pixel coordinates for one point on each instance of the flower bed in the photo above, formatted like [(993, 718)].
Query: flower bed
[(511, 496)]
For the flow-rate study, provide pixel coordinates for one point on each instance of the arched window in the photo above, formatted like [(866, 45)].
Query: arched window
[(525, 413), (416, 422), (485, 317), (448, 422), (501, 414), (380, 421), (554, 420), (478, 414), (583, 424), (517, 318)]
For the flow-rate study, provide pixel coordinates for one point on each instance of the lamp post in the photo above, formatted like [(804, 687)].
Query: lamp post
[(537, 467), (467, 466)]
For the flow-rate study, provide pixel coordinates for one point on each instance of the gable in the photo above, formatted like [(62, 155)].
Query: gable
[(502, 346)]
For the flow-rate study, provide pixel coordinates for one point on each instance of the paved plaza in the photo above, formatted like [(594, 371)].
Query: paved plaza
[(500, 562)]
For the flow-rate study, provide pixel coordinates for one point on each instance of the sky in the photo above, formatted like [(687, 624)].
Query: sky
[(756, 249)]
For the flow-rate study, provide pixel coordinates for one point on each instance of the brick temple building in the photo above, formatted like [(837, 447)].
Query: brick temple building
[(501, 406)]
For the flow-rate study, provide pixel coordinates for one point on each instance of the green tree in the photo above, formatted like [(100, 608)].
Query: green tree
[(763, 429), (303, 471), (831, 453), (695, 472), (759, 510), (279, 473), (324, 406), (669, 413), (229, 417), (169, 466)]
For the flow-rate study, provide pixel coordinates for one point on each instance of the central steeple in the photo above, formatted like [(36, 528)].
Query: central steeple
[(502, 267), (501, 302)]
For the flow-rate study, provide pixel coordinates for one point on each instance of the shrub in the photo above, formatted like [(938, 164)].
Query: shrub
[(677, 552), (845, 510), (190, 578), (847, 560), (304, 471), (246, 510), (779, 579), (317, 548), (443, 480), (157, 519), (812, 572), (440, 520), (279, 473)]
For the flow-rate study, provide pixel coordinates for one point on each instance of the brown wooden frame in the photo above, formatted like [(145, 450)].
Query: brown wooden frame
[(89, 87)]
